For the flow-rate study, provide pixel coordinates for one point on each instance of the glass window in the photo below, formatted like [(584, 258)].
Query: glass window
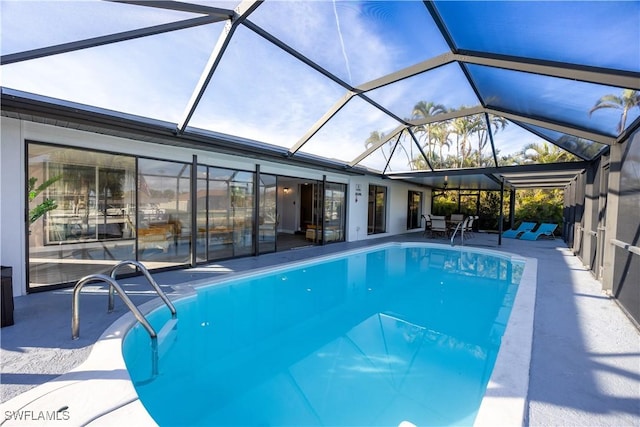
[(268, 216), (414, 210), (201, 215), (164, 212), (377, 210), (81, 213), (334, 212), (230, 210)]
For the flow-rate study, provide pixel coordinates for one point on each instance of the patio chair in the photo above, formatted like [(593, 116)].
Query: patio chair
[(469, 228), (523, 227), (439, 226), (545, 230), (427, 225), (457, 217)]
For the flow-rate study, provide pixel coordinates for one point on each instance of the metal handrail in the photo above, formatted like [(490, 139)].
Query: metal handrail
[(146, 273), (627, 246), (462, 225), (75, 305)]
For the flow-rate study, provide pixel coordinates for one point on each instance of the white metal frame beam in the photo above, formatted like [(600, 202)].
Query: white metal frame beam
[(377, 145), (223, 14), (603, 76), (241, 13), (562, 128), (104, 40), (321, 122)]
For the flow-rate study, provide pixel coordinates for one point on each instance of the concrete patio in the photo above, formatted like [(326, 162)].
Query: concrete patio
[(585, 365)]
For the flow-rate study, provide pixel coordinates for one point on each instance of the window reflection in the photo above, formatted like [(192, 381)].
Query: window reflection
[(164, 218), (334, 212), (377, 221), (230, 213), (414, 210), (268, 219), (81, 212)]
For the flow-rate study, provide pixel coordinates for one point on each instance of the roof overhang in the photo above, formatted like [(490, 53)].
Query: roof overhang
[(36, 108), (55, 112), (548, 175)]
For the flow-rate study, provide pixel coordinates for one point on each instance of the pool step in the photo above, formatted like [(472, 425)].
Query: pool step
[(167, 336)]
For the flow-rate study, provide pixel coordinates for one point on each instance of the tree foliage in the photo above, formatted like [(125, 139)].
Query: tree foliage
[(33, 190), (462, 142)]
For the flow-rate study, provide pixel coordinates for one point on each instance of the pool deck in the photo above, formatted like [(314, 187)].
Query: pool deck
[(585, 361)]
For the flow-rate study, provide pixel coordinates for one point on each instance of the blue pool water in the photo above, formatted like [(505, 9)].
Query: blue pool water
[(400, 333)]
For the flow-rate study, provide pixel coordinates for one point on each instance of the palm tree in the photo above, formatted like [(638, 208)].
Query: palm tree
[(374, 139), (414, 162), (33, 190), (463, 127), (625, 102), (546, 153), (480, 129), (424, 110), (440, 133), (580, 146)]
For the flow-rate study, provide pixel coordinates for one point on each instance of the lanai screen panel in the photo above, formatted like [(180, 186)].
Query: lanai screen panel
[(135, 76), (584, 148), (357, 41), (28, 25), (427, 94), (593, 33), (550, 98), (516, 145), (346, 135), (262, 93), (290, 63)]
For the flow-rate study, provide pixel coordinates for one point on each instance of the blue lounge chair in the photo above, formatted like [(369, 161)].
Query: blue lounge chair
[(522, 228), (545, 230)]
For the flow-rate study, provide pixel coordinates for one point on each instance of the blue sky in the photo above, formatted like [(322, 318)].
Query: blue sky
[(262, 93)]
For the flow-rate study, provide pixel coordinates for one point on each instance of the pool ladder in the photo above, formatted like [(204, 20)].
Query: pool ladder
[(115, 286), (462, 225)]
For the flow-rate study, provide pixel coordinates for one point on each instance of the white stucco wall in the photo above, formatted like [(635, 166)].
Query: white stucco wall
[(12, 196), (12, 189), (397, 197)]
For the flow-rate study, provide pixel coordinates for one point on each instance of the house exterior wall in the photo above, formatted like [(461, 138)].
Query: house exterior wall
[(12, 198), (15, 134)]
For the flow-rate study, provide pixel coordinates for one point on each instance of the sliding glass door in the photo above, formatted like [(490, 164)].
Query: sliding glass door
[(164, 213), (334, 212), (377, 210), (81, 213), (230, 213), (267, 214)]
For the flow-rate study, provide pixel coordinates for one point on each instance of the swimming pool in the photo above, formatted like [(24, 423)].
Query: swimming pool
[(397, 333)]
